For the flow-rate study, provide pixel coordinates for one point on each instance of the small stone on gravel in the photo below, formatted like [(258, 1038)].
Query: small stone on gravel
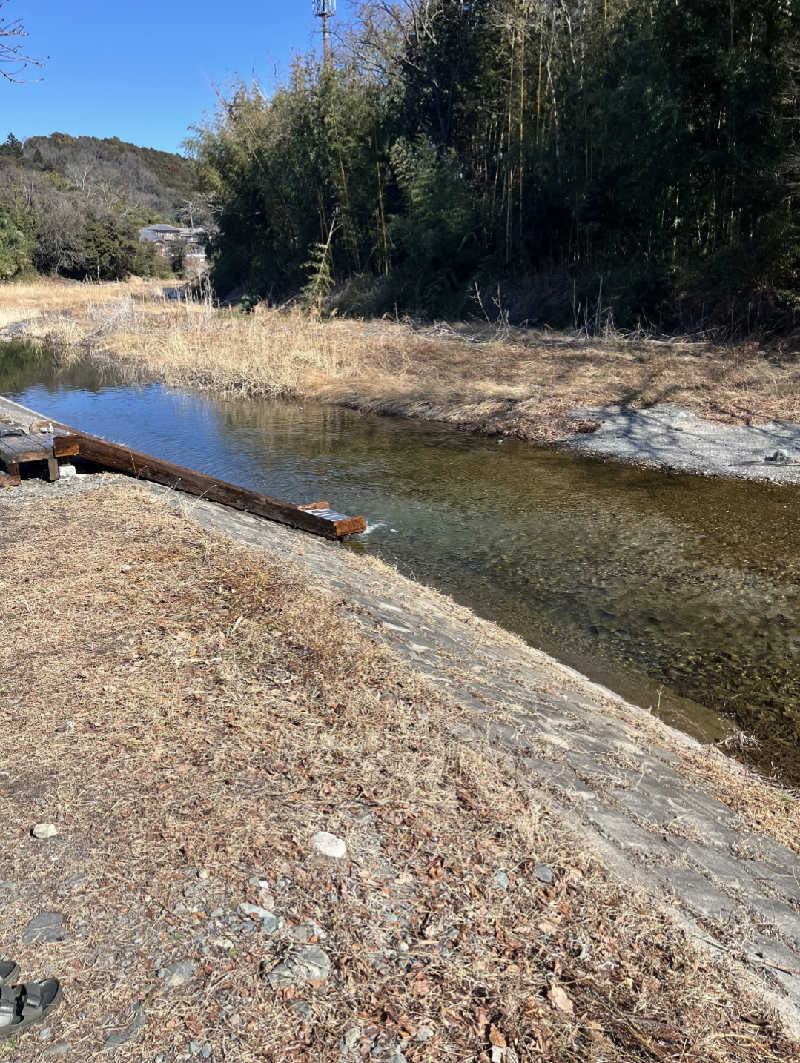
[(502, 880), (424, 1033), (43, 831), (177, 974), (302, 963), (46, 927), (330, 845), (543, 873), (59, 1049), (269, 921)]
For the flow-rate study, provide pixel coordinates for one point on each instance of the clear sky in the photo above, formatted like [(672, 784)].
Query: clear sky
[(145, 70)]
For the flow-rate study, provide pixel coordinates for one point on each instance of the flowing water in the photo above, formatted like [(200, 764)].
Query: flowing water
[(678, 592)]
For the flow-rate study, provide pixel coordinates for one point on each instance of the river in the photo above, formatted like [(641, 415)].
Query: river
[(680, 593)]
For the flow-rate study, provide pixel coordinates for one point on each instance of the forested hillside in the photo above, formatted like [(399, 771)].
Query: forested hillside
[(561, 162), (73, 205)]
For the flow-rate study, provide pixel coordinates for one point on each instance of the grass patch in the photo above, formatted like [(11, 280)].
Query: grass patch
[(509, 381)]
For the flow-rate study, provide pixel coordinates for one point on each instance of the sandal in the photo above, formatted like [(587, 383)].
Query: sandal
[(8, 972), (23, 1005)]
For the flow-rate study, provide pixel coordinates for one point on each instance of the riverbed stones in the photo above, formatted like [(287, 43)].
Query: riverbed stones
[(329, 845), (269, 921)]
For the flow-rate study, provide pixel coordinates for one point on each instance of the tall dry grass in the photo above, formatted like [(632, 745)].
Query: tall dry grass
[(515, 381)]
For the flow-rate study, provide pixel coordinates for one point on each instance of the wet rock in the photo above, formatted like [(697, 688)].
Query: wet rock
[(330, 845), (302, 963), (121, 1037), (543, 873), (501, 879), (46, 927), (176, 974), (43, 831)]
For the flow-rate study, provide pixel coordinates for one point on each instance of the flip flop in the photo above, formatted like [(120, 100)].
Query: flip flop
[(8, 972), (23, 1005)]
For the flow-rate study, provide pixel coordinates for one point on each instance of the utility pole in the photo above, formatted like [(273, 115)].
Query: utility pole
[(325, 9)]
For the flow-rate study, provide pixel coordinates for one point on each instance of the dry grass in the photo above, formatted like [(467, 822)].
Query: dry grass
[(188, 713), (516, 382)]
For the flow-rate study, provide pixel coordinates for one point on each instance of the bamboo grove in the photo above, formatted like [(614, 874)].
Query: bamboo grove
[(559, 161)]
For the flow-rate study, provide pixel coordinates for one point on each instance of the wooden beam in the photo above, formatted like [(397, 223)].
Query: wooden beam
[(146, 467)]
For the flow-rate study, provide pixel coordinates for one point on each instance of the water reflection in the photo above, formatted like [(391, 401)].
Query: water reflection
[(681, 593)]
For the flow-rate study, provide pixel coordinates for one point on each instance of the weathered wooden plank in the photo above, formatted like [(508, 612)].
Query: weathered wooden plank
[(7, 480), (16, 449), (146, 467), (65, 446)]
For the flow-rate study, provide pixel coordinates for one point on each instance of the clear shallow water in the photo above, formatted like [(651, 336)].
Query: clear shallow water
[(680, 593)]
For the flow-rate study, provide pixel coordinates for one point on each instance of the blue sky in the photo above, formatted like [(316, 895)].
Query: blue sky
[(145, 70)]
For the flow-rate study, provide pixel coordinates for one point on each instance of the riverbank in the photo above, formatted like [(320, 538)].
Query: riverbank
[(534, 868), (621, 398)]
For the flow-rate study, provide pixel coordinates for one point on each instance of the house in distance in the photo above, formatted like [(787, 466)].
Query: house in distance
[(174, 242)]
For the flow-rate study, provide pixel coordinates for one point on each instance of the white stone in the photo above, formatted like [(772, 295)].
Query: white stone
[(44, 831), (331, 845)]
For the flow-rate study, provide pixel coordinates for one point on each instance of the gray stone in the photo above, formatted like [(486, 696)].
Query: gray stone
[(424, 1033), (303, 1009), (501, 880), (44, 831), (302, 963), (330, 845), (269, 921), (59, 1049), (121, 1037), (47, 927), (304, 931), (543, 873), (176, 974)]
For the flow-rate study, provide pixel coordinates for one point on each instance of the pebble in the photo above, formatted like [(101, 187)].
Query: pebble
[(330, 845), (177, 974), (45, 1034), (43, 831), (424, 1033), (543, 873), (502, 880)]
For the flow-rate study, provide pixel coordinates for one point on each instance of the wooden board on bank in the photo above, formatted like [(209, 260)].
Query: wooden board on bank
[(69, 441)]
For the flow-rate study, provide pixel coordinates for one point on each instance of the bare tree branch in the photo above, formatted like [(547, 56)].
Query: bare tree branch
[(14, 58)]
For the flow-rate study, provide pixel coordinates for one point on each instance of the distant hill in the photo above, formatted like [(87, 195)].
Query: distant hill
[(74, 205), (158, 182)]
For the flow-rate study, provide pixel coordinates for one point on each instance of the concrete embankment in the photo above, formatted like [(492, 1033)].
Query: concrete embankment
[(703, 836)]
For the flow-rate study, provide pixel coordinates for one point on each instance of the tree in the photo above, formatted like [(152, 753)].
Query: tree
[(14, 58)]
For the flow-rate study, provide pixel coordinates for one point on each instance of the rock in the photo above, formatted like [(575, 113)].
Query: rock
[(269, 921), (303, 1009), (203, 875), (66, 471), (330, 845), (45, 1034), (176, 974), (778, 457), (59, 1049), (424, 1033), (304, 931), (302, 963), (501, 879), (43, 831), (543, 873), (120, 1037), (47, 927), (352, 1037)]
